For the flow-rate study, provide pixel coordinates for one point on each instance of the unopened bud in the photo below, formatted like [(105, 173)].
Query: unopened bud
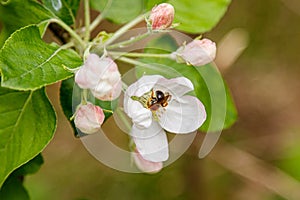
[(145, 165), (162, 16), (89, 118), (196, 53)]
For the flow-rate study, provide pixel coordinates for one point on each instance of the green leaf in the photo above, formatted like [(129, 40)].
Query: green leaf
[(13, 189), (69, 97), (15, 14), (30, 167), (13, 186), (27, 63), (27, 124), (107, 105), (208, 84), (119, 11), (218, 101), (65, 9), (290, 158), (194, 16), (198, 16), (151, 3)]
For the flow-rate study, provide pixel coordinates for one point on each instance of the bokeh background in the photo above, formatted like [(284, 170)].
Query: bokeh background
[(258, 158)]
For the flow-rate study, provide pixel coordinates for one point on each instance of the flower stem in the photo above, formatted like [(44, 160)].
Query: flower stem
[(123, 117), (124, 86), (67, 45), (101, 16), (125, 28), (140, 55), (96, 21), (107, 111), (158, 69), (84, 94), (70, 31), (128, 42), (87, 20), (134, 62)]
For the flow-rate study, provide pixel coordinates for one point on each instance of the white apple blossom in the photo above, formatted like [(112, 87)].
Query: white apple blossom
[(155, 104), (101, 76), (196, 53), (89, 118)]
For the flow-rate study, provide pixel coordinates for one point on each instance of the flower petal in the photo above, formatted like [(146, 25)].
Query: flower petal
[(143, 85), (154, 148), (183, 116), (177, 87), (144, 133), (85, 79), (140, 116), (197, 52), (146, 165)]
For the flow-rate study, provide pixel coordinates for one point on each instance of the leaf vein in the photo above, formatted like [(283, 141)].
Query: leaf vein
[(18, 119), (42, 64)]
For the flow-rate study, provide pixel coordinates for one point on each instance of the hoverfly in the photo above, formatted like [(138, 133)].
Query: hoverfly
[(158, 99), (153, 100)]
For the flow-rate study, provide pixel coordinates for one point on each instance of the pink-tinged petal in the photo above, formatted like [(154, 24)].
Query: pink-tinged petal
[(88, 75), (153, 148), (102, 88), (92, 59), (162, 16), (177, 87), (183, 116), (106, 67), (89, 118), (146, 165), (113, 93), (196, 53), (83, 79), (101, 76)]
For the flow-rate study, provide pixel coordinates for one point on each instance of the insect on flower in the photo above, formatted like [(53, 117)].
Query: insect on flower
[(158, 98), (153, 100)]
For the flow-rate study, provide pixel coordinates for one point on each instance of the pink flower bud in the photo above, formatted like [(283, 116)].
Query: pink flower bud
[(161, 16), (145, 165), (196, 53), (89, 118), (101, 76)]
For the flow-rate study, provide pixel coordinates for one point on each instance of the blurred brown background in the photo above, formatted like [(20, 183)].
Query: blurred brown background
[(258, 158)]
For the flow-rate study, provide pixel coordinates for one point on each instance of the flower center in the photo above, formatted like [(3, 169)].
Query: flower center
[(153, 100)]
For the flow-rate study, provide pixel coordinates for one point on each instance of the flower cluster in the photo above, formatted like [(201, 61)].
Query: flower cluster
[(155, 104), (101, 76)]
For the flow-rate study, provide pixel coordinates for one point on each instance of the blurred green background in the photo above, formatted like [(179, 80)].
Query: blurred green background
[(258, 158)]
